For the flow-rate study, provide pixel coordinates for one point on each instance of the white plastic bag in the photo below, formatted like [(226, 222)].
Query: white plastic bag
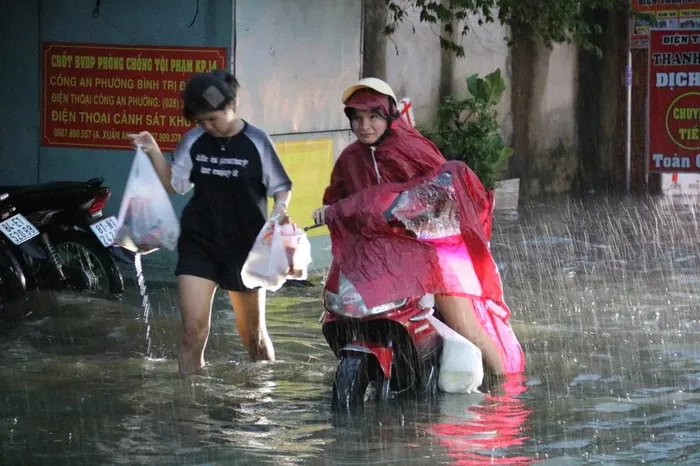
[(280, 252), (146, 220), (461, 366), (298, 251), (266, 265)]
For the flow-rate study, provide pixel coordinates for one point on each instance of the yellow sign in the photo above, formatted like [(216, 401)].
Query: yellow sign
[(666, 14), (691, 13), (667, 19), (308, 164)]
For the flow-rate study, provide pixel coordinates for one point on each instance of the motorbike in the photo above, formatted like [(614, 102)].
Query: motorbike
[(390, 349), (383, 351), (15, 231), (75, 239)]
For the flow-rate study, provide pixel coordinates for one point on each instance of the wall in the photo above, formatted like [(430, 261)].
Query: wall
[(291, 79), (485, 51), (543, 112), (292, 82), (289, 100), (413, 65), (416, 63), (142, 25), (293, 58), (19, 94), (27, 23)]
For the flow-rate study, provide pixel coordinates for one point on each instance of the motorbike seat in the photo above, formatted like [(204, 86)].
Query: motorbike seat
[(50, 188), (54, 186), (47, 195)]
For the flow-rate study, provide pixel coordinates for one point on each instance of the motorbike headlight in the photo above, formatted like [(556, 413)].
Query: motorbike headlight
[(348, 302)]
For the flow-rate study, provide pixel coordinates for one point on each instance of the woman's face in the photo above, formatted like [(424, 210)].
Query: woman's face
[(368, 126), (219, 123)]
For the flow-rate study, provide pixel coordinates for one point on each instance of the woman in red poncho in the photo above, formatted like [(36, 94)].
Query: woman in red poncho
[(389, 150)]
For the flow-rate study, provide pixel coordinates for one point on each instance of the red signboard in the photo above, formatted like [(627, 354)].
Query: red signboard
[(674, 101), (657, 5), (94, 95)]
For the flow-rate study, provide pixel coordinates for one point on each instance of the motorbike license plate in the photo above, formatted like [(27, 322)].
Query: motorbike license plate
[(18, 229), (105, 230)]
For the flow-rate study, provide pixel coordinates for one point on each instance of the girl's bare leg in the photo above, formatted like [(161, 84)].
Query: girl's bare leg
[(459, 315), (195, 297), (249, 309)]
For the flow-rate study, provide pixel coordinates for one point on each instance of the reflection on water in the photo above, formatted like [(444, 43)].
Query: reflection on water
[(604, 296), (483, 430)]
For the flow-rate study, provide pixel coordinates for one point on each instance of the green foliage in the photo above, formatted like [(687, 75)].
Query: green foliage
[(551, 21), (467, 128)]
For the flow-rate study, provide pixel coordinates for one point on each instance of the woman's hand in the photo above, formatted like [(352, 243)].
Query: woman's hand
[(146, 141), (319, 215), (279, 213)]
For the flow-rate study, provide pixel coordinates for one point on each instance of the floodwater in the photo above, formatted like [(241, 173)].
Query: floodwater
[(604, 295)]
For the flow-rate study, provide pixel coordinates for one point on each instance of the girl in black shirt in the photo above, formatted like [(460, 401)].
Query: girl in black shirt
[(233, 168)]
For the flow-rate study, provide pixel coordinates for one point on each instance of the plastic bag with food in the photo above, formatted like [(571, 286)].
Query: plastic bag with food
[(146, 220)]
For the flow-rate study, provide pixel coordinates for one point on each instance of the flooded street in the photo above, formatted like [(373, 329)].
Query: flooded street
[(604, 295)]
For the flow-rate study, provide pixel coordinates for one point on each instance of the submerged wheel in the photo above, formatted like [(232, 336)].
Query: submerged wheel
[(87, 264), (356, 384), (13, 283)]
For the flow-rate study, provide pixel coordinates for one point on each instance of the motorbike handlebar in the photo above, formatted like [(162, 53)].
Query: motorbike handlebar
[(312, 227)]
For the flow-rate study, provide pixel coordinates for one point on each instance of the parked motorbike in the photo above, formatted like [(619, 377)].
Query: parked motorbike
[(15, 231), (392, 348), (75, 238)]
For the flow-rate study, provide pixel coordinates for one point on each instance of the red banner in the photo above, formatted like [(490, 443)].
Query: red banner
[(659, 5), (674, 101), (94, 95)]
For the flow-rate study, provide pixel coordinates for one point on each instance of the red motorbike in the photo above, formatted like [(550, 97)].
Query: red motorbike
[(384, 350), (392, 348)]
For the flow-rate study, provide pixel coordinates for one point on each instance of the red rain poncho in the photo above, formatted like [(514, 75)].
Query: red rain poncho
[(404, 159), (385, 266)]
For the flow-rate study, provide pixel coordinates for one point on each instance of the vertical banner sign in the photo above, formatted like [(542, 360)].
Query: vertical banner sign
[(94, 95), (669, 14), (674, 101), (639, 33)]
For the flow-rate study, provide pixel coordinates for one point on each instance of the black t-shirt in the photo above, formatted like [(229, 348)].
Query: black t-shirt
[(232, 179)]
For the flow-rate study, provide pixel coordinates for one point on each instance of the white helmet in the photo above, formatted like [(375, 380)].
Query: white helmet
[(370, 83)]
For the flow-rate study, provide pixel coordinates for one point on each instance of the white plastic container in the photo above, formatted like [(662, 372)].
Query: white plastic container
[(461, 366)]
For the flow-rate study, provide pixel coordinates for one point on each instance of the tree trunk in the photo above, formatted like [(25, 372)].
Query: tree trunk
[(447, 65), (544, 135), (373, 39), (522, 53), (601, 106)]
